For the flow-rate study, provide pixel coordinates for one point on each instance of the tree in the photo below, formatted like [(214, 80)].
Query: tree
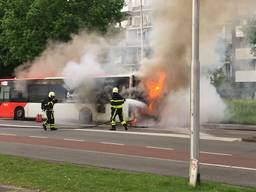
[(27, 26)]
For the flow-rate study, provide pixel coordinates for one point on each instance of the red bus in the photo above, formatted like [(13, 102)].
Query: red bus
[(21, 98)]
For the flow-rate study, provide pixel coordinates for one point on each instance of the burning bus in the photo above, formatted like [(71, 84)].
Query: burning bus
[(21, 98), (89, 102)]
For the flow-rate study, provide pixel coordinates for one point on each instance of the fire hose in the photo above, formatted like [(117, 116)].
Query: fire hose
[(108, 122)]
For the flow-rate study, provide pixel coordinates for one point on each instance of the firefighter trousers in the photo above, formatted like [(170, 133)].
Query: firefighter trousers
[(114, 113), (50, 119)]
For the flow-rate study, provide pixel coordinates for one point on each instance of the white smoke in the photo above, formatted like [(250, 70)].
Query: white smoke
[(212, 107), (176, 112), (171, 41), (89, 66), (90, 52)]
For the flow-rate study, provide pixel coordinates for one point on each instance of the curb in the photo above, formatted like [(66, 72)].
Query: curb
[(249, 139), (238, 127)]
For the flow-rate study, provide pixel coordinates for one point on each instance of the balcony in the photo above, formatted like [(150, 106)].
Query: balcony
[(245, 54), (245, 76), (137, 9)]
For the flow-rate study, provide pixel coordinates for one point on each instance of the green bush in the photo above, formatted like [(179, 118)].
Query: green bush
[(242, 111)]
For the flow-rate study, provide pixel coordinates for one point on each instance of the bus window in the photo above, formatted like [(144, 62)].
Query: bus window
[(121, 82), (1, 94), (18, 96), (37, 92), (18, 91), (4, 93), (60, 92)]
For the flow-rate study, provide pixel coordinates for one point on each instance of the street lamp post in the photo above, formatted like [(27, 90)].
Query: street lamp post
[(194, 175), (141, 31)]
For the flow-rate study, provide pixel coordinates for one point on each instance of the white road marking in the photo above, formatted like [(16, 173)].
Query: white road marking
[(68, 139), (229, 166), (132, 156), (24, 126), (151, 147), (7, 134), (171, 160), (204, 137), (213, 138), (213, 153), (109, 143), (40, 137), (153, 134)]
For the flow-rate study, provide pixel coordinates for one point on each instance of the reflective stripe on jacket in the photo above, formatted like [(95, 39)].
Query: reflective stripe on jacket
[(117, 101)]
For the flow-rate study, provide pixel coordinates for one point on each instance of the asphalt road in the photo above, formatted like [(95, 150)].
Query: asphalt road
[(224, 156)]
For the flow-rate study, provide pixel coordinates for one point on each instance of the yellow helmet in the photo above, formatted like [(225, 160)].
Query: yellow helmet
[(115, 90), (51, 94)]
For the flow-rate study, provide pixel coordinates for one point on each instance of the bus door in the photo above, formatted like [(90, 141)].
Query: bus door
[(5, 108)]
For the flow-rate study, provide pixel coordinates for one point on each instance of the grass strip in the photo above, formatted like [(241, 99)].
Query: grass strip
[(63, 177), (241, 111)]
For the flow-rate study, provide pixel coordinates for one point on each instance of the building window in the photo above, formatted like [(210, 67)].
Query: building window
[(136, 21), (147, 2), (135, 3)]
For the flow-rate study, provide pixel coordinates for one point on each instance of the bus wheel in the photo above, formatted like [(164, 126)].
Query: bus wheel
[(19, 113), (85, 116)]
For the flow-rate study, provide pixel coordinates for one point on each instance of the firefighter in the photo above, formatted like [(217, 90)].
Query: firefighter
[(47, 105), (117, 102)]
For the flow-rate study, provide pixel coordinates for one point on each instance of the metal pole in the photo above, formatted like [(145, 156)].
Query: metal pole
[(195, 98), (141, 32)]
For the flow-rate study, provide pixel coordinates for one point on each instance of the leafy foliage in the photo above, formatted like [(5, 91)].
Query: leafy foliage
[(27, 26), (241, 111), (250, 31), (217, 77)]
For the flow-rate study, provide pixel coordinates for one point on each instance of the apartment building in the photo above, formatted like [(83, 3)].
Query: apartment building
[(240, 66), (138, 27), (244, 62)]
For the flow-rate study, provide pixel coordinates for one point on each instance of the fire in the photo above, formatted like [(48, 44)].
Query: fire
[(157, 88), (154, 89)]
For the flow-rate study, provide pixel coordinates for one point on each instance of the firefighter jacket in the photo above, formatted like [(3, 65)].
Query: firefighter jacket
[(117, 101), (48, 103)]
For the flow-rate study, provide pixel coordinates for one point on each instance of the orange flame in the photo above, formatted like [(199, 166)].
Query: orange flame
[(154, 88)]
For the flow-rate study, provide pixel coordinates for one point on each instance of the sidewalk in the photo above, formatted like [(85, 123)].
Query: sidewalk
[(142, 126), (245, 132)]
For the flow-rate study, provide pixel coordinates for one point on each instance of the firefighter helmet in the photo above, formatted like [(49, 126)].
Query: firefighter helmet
[(51, 94), (115, 90)]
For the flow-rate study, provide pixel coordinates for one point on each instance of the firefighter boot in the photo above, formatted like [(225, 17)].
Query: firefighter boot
[(45, 126), (125, 127), (53, 128)]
